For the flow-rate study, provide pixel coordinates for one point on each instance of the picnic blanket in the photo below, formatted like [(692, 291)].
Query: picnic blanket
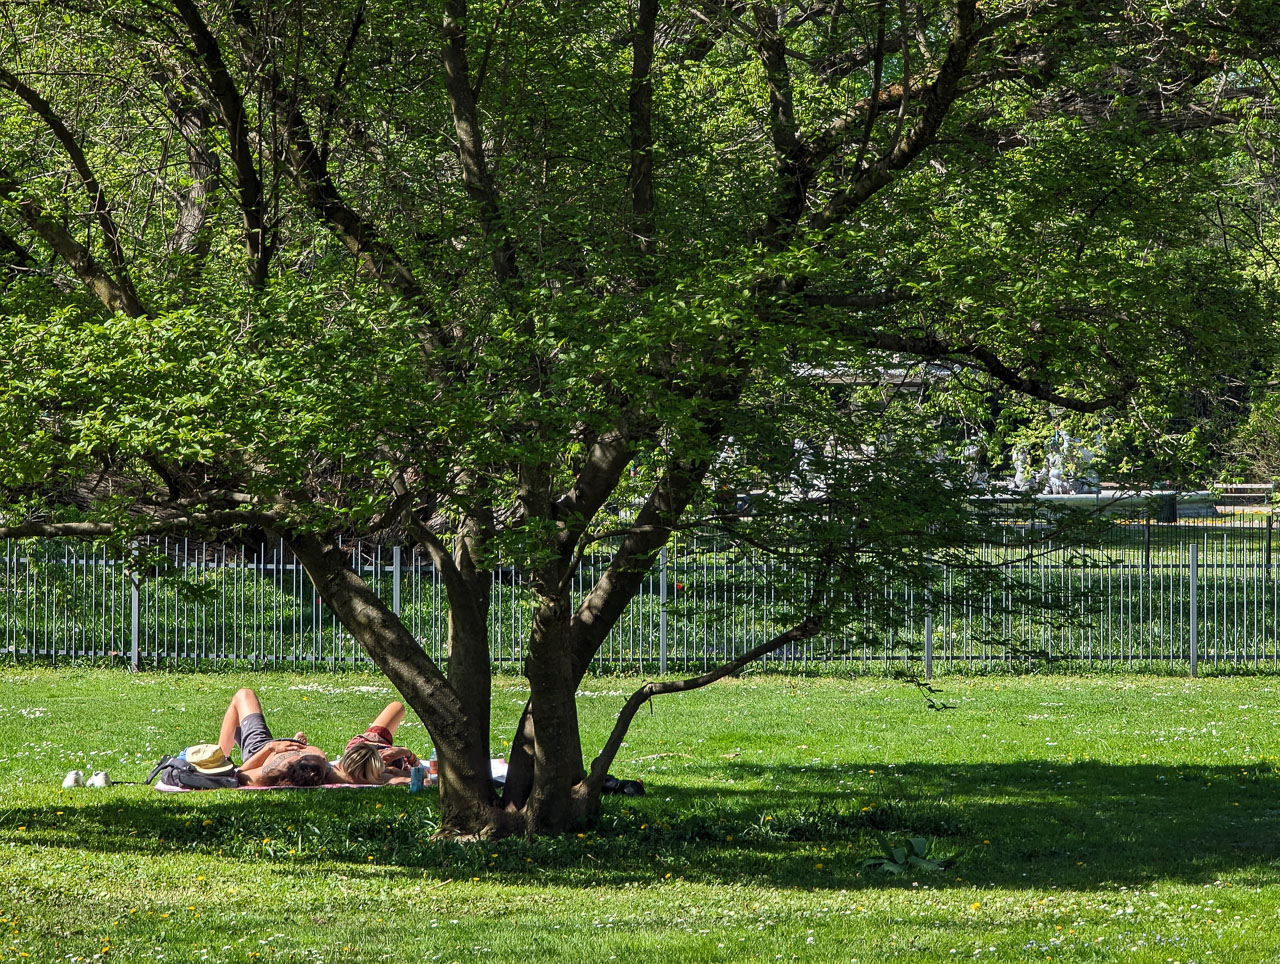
[(497, 768)]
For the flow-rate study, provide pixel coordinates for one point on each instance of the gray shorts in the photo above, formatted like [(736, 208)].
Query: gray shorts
[(252, 735)]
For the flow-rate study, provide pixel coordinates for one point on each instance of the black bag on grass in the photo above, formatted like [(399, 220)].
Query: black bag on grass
[(177, 772)]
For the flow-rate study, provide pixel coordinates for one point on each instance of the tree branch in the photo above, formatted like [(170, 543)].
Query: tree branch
[(793, 171), (600, 609), (936, 100), (461, 603), (231, 106), (98, 204), (191, 233), (861, 301), (218, 519), (935, 348), (79, 258), (475, 167), (805, 629), (640, 103), (338, 75)]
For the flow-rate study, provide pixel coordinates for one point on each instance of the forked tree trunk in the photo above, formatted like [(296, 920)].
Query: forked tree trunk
[(548, 790), (459, 729), (456, 712)]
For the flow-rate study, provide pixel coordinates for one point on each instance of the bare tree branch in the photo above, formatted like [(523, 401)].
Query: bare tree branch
[(805, 629)]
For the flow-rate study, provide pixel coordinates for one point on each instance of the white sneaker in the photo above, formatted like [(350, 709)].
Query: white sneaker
[(99, 779), (73, 779)]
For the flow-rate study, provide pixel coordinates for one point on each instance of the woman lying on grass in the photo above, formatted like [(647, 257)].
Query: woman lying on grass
[(268, 762), (371, 757)]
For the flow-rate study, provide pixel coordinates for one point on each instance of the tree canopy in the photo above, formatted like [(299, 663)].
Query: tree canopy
[(532, 279)]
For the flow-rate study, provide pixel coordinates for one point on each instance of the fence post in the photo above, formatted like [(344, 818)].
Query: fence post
[(1146, 545), (662, 610), (1270, 520), (135, 614), (395, 577), (928, 642), (1195, 624)]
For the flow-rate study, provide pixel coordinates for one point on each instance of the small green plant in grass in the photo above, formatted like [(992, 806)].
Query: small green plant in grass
[(913, 857)]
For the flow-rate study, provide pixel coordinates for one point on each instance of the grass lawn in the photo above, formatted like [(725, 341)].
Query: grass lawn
[(1090, 819)]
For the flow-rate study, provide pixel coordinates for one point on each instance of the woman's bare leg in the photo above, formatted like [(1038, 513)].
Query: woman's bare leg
[(244, 703), (391, 716)]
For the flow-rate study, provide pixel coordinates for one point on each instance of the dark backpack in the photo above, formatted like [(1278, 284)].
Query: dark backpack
[(177, 772)]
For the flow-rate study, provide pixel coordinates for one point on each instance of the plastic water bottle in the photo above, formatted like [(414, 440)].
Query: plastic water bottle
[(416, 776)]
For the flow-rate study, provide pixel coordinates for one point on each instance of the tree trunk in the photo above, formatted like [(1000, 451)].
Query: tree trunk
[(459, 729), (557, 744)]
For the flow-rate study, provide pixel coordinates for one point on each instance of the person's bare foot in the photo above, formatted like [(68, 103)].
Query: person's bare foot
[(300, 737)]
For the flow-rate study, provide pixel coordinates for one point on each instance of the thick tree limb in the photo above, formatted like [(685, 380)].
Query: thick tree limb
[(640, 105), (602, 466), (360, 236), (218, 519), (456, 589), (794, 174), (76, 256), (231, 105), (98, 204), (466, 121), (191, 234), (600, 609), (457, 725)]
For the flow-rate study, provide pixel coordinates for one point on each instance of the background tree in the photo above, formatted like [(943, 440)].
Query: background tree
[(528, 279)]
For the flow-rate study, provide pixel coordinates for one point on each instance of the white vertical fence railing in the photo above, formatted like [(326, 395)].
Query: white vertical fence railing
[(1179, 597)]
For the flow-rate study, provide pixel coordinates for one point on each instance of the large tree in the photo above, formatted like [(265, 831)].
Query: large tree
[(537, 279)]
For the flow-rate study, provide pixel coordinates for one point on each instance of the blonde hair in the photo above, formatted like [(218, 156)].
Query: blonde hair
[(362, 764)]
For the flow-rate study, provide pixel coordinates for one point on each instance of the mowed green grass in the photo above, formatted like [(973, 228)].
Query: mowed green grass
[(1090, 819)]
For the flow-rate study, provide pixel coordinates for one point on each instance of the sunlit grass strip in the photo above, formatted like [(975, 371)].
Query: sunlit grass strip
[(1091, 819)]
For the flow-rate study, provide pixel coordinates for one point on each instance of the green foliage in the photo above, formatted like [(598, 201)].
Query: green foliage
[(912, 856)]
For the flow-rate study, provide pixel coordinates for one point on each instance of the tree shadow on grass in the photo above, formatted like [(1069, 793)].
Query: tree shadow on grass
[(1032, 824)]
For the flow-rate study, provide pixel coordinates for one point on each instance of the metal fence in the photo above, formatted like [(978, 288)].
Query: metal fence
[(1177, 596)]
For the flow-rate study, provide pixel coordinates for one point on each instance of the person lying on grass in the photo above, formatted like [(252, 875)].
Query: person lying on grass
[(372, 757), (268, 762)]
